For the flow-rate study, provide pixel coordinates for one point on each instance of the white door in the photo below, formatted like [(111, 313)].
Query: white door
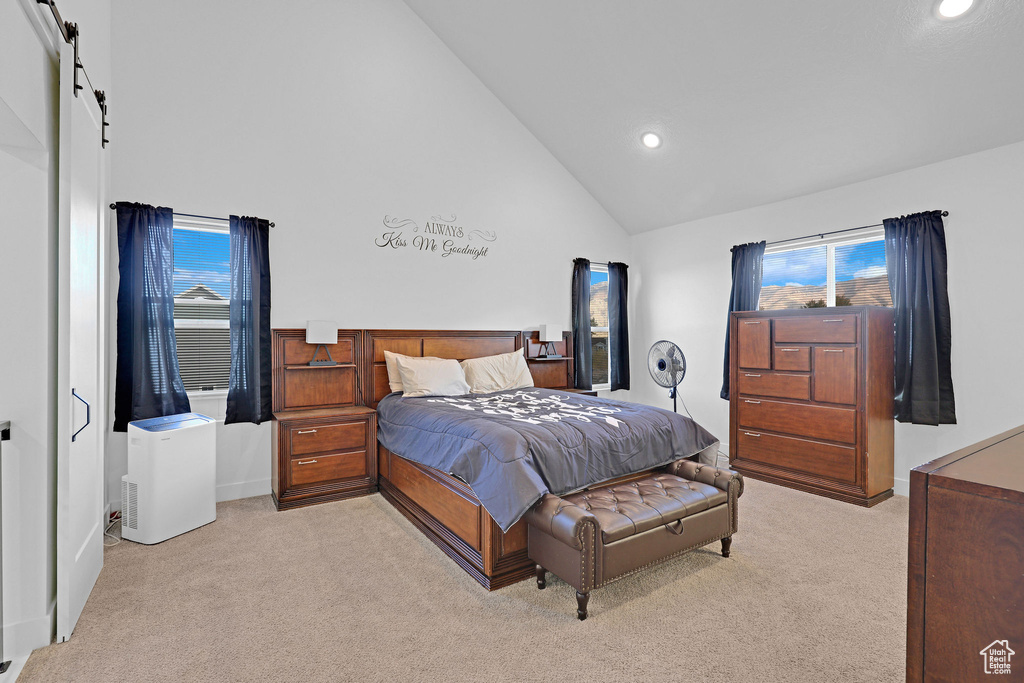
[(80, 405)]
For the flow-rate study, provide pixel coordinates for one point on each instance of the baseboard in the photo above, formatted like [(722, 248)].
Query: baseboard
[(235, 491), (12, 673), (243, 489), (901, 487), (22, 637)]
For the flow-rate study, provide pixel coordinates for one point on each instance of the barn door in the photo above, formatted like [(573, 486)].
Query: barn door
[(80, 405)]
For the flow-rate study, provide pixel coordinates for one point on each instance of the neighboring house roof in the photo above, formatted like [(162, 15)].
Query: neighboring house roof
[(200, 291)]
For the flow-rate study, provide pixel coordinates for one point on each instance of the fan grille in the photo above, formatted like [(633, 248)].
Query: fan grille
[(666, 363)]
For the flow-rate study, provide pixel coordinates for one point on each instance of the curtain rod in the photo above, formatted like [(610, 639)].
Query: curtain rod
[(113, 205), (833, 232)]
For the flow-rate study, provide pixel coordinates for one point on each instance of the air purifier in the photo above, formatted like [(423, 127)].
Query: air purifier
[(171, 485)]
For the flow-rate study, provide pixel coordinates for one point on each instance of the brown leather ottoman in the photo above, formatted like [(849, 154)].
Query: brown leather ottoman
[(599, 535)]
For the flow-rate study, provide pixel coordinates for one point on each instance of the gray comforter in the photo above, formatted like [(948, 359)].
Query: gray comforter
[(512, 447)]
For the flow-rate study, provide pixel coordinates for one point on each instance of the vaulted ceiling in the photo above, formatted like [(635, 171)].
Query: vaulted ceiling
[(756, 100)]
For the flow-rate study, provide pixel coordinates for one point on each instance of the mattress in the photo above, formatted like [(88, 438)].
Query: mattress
[(512, 447)]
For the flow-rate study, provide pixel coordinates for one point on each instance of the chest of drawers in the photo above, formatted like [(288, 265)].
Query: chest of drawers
[(811, 400)]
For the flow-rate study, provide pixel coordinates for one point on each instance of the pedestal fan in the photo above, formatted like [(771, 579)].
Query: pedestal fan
[(667, 364)]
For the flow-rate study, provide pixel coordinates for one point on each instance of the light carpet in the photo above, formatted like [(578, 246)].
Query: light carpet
[(815, 590)]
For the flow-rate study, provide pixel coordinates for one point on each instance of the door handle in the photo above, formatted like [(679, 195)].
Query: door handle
[(88, 418)]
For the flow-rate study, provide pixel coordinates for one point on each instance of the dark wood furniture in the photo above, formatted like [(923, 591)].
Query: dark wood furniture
[(441, 506), (323, 442), (297, 385), (550, 373), (966, 561), (811, 400), (321, 455)]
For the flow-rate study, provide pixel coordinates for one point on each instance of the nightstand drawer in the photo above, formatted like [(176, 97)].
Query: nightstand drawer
[(327, 438), (323, 468)]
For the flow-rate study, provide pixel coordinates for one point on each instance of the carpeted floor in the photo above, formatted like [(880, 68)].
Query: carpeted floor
[(815, 590)]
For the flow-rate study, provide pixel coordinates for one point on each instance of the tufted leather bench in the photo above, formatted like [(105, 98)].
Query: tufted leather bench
[(599, 535)]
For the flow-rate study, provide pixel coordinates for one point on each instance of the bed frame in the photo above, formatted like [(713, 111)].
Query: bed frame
[(441, 506)]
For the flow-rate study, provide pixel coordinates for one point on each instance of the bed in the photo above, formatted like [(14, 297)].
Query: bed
[(444, 507)]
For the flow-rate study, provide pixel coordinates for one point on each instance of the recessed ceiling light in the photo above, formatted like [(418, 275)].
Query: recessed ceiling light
[(652, 140), (949, 9)]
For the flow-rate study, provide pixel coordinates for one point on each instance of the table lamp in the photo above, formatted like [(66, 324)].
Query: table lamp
[(321, 332), (548, 335)]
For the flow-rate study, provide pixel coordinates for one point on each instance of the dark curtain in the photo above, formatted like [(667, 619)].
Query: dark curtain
[(148, 383), (249, 386), (582, 350), (618, 329), (915, 257), (747, 260)]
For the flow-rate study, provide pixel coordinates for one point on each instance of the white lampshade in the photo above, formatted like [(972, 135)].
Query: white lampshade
[(550, 333), (321, 332)]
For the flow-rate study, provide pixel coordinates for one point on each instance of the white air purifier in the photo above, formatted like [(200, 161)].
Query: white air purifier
[(171, 485)]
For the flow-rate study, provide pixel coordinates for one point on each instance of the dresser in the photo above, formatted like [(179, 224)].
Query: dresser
[(324, 442), (965, 587), (811, 400)]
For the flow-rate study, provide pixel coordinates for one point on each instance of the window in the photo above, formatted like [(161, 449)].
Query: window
[(600, 355), (847, 271), (202, 287)]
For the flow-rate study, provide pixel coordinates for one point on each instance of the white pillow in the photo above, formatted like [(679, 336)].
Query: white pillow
[(431, 377), (497, 373), (394, 378)]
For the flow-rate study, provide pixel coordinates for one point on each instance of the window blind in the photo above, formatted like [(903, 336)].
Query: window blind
[(201, 304), (847, 271)]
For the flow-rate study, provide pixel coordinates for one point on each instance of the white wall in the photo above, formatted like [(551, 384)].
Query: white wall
[(28, 214), (325, 120), (681, 280)]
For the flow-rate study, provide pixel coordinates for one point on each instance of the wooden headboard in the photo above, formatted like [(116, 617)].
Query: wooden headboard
[(456, 344), (299, 386)]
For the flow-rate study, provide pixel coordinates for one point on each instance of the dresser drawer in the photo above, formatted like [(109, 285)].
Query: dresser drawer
[(818, 422), (793, 358), (324, 468), (835, 374), (813, 457), (754, 343), (830, 329), (777, 385), (326, 438)]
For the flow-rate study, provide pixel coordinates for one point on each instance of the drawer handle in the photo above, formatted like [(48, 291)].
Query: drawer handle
[(305, 462), (833, 350), (752, 322), (755, 402), (789, 350), (751, 375), (752, 434), (832, 320), (307, 431)]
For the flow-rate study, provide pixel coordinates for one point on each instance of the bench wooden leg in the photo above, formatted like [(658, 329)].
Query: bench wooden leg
[(581, 604), (542, 577), (726, 544)]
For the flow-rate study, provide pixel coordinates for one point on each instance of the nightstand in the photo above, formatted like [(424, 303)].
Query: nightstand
[(323, 454)]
